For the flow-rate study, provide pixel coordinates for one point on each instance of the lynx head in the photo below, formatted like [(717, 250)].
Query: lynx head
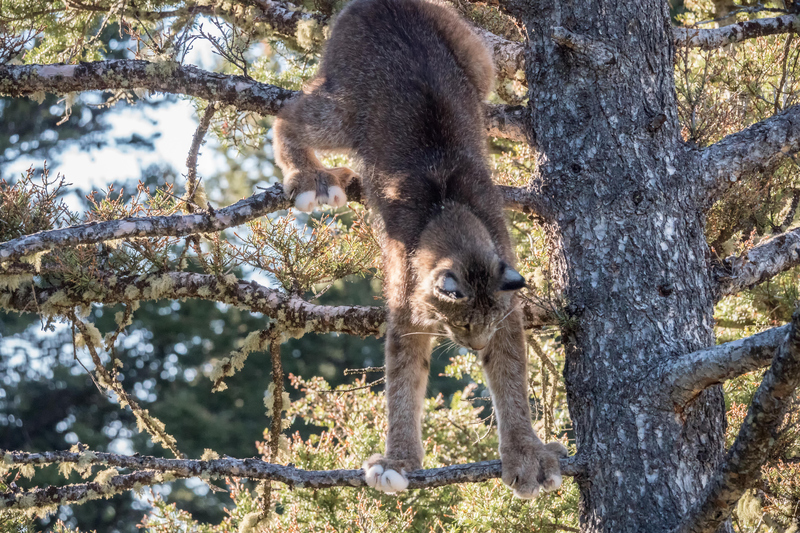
[(462, 283)]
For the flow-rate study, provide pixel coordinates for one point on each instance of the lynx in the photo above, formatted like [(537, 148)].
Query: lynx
[(400, 87)]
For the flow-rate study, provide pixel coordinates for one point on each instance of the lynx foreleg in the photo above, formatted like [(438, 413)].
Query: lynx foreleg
[(528, 464), (314, 121), (407, 366)]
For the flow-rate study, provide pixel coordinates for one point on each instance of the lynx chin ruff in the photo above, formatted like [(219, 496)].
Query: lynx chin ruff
[(400, 87)]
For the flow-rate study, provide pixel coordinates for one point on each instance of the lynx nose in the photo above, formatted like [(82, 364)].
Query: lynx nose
[(478, 344)]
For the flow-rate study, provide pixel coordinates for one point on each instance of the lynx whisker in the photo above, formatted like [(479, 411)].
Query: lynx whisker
[(439, 348), (451, 342), (423, 333), (506, 316)]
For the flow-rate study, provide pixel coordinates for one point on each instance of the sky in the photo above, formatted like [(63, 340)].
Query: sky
[(176, 121)]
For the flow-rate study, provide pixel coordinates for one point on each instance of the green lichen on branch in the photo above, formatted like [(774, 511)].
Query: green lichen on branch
[(107, 378)]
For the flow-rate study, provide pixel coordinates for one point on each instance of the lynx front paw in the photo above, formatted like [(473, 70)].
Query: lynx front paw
[(386, 475), (532, 467), (314, 187)]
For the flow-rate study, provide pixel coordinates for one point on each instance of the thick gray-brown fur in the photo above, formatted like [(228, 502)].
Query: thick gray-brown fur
[(400, 87)]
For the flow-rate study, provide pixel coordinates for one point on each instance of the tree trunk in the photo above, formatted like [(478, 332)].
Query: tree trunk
[(629, 254)]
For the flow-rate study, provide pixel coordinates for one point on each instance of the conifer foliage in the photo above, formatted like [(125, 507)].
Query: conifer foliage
[(734, 76)]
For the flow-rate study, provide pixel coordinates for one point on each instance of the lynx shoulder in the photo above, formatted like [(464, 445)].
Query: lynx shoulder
[(401, 88)]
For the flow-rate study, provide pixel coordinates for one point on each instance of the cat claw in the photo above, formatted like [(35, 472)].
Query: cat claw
[(309, 200), (388, 481)]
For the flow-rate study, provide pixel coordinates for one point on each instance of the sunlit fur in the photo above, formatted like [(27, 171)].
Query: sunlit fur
[(401, 87)]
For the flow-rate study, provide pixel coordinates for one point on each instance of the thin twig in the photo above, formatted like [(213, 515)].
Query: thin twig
[(191, 160), (362, 387), (351, 371)]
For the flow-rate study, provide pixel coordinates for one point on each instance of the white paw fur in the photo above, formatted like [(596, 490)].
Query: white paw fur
[(336, 196), (552, 483), (526, 495), (306, 201), (388, 481), (373, 475)]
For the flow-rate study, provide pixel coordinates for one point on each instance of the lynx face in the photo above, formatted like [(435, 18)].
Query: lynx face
[(471, 305), (463, 287)]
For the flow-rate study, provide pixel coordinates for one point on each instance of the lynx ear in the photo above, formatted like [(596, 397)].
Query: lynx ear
[(446, 287), (511, 280)]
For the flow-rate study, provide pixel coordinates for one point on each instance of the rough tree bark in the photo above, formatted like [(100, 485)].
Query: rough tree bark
[(626, 224)]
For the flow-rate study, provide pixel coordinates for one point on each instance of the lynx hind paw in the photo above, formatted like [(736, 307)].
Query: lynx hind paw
[(306, 201), (309, 200), (312, 188), (525, 491), (384, 478), (335, 197)]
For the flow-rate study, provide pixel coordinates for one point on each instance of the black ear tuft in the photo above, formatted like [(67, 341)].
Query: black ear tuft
[(511, 280), (446, 287)]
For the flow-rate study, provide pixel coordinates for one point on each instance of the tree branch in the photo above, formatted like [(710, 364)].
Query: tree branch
[(280, 18), (509, 56), (527, 201), (191, 160), (294, 315), (743, 462), (245, 94), (595, 51), (761, 146), (152, 470), (759, 264), (711, 39), (79, 493), (243, 211), (694, 372)]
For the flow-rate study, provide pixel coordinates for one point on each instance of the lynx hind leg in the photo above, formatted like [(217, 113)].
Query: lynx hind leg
[(472, 52), (312, 122), (385, 475)]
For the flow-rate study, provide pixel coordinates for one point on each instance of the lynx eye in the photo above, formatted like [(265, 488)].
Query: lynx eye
[(460, 325), (447, 288)]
